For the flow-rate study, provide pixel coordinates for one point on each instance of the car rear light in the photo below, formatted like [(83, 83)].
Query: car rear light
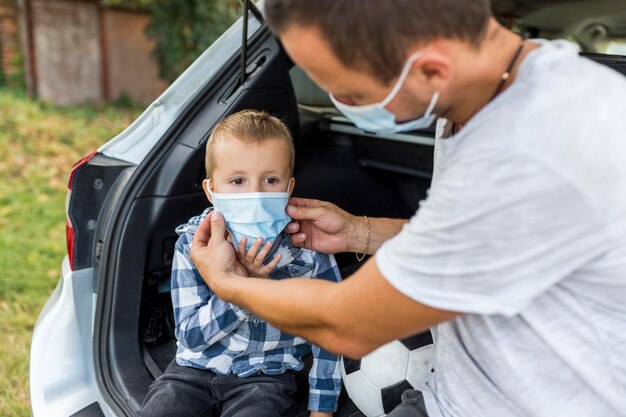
[(69, 227)]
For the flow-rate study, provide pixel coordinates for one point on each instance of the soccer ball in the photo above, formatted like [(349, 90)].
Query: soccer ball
[(376, 382)]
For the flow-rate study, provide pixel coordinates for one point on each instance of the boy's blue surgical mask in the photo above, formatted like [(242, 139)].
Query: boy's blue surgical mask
[(253, 215), (376, 118)]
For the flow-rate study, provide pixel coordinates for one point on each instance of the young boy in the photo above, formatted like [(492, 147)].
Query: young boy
[(229, 362)]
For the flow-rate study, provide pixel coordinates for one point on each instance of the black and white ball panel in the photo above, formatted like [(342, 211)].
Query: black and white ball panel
[(376, 382), (391, 396), (351, 365), (417, 341)]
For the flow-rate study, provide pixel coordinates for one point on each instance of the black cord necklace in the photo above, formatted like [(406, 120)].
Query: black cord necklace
[(507, 74)]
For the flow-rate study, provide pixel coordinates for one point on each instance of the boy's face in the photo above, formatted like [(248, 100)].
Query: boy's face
[(250, 167)]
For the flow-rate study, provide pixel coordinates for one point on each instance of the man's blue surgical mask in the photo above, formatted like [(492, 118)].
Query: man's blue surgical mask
[(376, 118), (253, 215)]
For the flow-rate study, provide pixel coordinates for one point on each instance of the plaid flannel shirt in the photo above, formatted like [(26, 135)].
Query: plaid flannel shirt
[(224, 338)]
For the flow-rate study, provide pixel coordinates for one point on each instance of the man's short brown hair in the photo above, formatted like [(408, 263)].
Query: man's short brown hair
[(376, 35), (249, 126)]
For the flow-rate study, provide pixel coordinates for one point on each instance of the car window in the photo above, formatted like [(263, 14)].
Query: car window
[(612, 46), (597, 26)]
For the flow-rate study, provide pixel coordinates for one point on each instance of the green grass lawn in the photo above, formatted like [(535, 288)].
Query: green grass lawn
[(38, 145)]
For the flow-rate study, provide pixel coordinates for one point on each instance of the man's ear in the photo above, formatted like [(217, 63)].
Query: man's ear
[(291, 186), (433, 68), (208, 189)]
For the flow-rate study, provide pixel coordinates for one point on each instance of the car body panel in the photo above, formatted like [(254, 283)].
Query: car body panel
[(62, 379)]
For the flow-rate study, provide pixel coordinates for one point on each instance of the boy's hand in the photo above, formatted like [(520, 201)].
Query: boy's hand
[(252, 260), (319, 414)]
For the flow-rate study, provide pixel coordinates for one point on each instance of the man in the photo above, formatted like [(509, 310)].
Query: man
[(519, 252)]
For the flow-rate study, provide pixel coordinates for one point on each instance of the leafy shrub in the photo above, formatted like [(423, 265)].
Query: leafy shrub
[(183, 29)]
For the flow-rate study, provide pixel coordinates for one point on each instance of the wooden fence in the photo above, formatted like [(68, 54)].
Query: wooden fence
[(77, 51)]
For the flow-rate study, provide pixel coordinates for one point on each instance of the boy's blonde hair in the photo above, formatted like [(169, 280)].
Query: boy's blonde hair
[(249, 126)]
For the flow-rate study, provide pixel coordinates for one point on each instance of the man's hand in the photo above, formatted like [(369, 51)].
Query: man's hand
[(320, 226), (253, 259), (212, 255), (324, 227)]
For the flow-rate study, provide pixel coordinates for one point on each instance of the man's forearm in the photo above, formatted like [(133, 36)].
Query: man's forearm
[(286, 304), (380, 230), (350, 318)]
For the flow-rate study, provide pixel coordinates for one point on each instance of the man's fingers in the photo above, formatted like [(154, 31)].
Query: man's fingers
[(304, 202), (305, 213), (203, 233), (217, 226), (292, 228), (298, 239)]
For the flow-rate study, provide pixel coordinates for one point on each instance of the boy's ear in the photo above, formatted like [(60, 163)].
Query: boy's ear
[(292, 185), (208, 189)]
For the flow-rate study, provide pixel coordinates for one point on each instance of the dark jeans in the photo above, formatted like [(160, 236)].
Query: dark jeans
[(188, 392)]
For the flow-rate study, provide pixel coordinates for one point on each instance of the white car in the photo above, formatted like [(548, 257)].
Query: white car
[(106, 332)]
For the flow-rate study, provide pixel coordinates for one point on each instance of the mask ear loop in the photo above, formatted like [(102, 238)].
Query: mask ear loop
[(289, 190), (401, 79), (433, 103), (392, 94)]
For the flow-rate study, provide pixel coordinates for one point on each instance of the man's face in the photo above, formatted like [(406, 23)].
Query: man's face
[(311, 52)]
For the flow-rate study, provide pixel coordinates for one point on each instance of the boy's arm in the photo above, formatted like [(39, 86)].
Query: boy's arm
[(201, 318), (325, 375)]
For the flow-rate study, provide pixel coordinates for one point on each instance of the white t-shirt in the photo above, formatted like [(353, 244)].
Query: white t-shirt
[(524, 231)]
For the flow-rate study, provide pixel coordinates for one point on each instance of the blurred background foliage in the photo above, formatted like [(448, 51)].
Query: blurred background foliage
[(182, 29)]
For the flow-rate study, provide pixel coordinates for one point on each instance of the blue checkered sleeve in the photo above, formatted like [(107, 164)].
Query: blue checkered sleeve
[(325, 375), (201, 318)]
